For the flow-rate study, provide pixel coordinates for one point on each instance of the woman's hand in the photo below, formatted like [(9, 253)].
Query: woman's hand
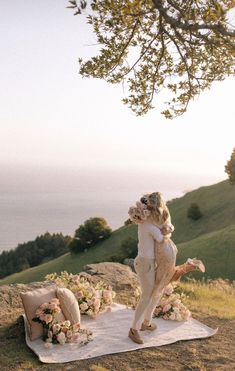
[(167, 237), (164, 231)]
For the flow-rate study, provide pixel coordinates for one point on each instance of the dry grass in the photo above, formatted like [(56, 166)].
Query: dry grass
[(215, 298)]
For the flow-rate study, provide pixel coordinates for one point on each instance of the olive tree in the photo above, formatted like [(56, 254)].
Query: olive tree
[(177, 46)]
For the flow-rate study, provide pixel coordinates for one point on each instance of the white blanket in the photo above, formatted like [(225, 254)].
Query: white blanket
[(110, 331)]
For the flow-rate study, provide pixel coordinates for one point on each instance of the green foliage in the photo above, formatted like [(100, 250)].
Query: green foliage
[(180, 46), (90, 233), (230, 168), (128, 222), (76, 246), (33, 253), (194, 212), (129, 247)]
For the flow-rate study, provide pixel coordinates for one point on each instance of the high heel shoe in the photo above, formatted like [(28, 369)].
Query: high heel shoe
[(198, 264)]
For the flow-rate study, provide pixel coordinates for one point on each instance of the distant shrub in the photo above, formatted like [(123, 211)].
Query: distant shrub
[(90, 233), (128, 222), (129, 248), (230, 168), (194, 212), (76, 246)]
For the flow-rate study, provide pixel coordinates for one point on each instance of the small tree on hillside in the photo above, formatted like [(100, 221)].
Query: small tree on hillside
[(230, 167), (89, 233), (129, 248), (194, 212), (128, 222)]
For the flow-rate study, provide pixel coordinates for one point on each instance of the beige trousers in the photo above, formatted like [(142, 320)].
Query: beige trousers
[(145, 269)]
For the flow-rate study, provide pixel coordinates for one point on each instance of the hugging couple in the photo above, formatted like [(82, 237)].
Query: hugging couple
[(156, 259)]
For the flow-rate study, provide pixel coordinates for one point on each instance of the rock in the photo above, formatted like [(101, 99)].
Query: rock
[(118, 275), (10, 301)]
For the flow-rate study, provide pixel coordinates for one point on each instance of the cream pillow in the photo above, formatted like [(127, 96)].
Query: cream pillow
[(69, 304), (31, 301)]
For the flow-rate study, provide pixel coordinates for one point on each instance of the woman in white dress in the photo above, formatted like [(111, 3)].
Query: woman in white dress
[(155, 262)]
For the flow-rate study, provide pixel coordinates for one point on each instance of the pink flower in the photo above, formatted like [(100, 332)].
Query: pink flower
[(166, 308), (69, 334), (57, 310), (168, 289), (52, 306), (55, 301), (56, 327), (38, 312), (76, 327), (48, 318), (83, 306), (79, 294), (42, 317), (107, 294), (76, 337)]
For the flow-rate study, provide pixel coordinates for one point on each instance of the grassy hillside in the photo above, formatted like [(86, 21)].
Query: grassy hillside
[(74, 263), (216, 249), (212, 238), (217, 203)]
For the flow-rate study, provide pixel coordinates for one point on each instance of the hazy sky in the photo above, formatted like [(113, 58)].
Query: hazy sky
[(50, 116)]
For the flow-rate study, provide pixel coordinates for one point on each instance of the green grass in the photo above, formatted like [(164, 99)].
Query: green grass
[(217, 203), (211, 238), (216, 249)]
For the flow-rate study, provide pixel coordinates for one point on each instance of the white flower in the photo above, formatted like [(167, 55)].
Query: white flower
[(61, 338), (168, 289), (48, 345), (178, 317), (67, 323)]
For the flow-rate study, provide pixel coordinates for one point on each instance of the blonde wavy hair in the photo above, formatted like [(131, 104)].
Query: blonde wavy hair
[(150, 207)]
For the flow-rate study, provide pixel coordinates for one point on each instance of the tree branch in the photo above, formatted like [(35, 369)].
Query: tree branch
[(187, 26)]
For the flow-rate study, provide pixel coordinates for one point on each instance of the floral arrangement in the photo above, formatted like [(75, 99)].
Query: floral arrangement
[(171, 306), (46, 313), (93, 297), (55, 332), (139, 212)]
